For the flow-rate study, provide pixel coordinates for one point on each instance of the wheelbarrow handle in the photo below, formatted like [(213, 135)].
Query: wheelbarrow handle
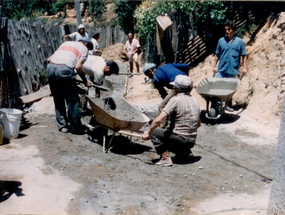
[(242, 76), (214, 74)]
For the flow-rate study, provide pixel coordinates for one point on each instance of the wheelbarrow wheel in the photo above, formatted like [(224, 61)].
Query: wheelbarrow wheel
[(212, 112)]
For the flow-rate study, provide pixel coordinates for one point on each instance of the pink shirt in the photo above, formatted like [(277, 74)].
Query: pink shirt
[(131, 47), (69, 53)]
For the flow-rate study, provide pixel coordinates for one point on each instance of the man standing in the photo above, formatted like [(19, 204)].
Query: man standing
[(63, 66), (75, 36), (161, 78), (132, 47), (228, 52), (180, 136)]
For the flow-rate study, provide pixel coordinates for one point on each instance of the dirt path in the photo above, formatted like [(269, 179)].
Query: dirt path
[(68, 174)]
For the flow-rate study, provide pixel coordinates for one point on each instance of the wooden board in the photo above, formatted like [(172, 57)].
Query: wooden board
[(43, 92)]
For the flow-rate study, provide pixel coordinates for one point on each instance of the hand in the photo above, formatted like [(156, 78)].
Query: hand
[(89, 84), (244, 71), (145, 136), (215, 69)]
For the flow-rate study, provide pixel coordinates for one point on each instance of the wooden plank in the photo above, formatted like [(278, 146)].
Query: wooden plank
[(43, 92)]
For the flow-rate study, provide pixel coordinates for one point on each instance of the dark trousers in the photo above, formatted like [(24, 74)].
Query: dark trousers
[(64, 90), (164, 140)]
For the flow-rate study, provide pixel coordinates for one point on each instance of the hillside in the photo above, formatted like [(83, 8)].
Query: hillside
[(262, 88)]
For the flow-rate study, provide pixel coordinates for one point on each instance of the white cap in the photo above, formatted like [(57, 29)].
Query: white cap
[(148, 66), (80, 26), (182, 81)]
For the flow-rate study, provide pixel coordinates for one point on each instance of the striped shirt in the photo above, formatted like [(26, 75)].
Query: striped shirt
[(69, 53), (184, 112)]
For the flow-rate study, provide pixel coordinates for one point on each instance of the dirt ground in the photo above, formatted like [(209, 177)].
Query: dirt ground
[(48, 172)]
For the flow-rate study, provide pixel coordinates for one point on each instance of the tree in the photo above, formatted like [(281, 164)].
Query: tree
[(125, 14)]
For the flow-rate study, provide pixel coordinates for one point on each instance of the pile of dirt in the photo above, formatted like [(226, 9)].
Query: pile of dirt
[(115, 52), (263, 87)]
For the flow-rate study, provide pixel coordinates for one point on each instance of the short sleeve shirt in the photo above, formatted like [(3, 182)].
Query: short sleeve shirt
[(229, 55), (95, 45), (95, 66), (165, 74), (69, 53), (130, 47), (184, 112), (75, 36)]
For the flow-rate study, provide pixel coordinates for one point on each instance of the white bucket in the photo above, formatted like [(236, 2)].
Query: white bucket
[(11, 119)]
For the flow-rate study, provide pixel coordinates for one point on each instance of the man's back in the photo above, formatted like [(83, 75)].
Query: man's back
[(184, 112), (167, 73)]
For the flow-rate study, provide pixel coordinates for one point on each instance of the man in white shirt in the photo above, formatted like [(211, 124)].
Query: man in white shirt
[(75, 36), (97, 68), (132, 48), (94, 40)]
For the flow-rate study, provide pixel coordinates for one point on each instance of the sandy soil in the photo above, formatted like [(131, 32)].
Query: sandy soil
[(230, 173)]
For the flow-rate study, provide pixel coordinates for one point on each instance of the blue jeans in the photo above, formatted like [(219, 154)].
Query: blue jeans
[(63, 87), (164, 140), (225, 75)]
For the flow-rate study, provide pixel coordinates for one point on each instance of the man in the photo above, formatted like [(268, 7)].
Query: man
[(61, 71), (161, 78), (97, 68), (94, 40), (180, 136), (75, 36), (132, 48), (228, 52)]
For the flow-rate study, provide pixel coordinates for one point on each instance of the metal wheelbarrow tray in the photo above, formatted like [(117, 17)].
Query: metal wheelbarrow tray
[(217, 91), (117, 115)]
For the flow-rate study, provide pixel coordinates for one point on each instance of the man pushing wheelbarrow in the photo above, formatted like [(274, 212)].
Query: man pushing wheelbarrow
[(228, 52)]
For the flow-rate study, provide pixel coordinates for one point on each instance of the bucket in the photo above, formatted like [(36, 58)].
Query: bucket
[(11, 119)]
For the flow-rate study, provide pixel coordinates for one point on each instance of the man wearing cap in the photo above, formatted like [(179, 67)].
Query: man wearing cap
[(94, 40), (97, 68), (132, 48), (75, 36), (161, 77), (63, 66), (180, 136)]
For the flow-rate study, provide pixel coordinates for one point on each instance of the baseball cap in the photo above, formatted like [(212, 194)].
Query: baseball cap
[(95, 33), (148, 66), (80, 26), (87, 40), (181, 81)]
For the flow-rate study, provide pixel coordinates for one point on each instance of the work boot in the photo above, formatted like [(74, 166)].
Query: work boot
[(165, 160)]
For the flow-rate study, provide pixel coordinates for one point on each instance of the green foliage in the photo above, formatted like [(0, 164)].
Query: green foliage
[(96, 9), (57, 6), (125, 14)]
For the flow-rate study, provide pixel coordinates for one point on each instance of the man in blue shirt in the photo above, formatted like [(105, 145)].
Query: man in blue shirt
[(161, 78), (228, 52)]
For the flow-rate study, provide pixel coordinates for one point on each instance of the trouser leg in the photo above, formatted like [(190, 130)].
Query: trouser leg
[(72, 101), (158, 140), (164, 140), (57, 91)]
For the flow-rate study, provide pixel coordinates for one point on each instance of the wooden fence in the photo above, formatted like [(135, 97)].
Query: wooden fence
[(24, 48)]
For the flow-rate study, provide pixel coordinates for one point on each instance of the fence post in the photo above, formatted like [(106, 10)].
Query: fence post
[(78, 12)]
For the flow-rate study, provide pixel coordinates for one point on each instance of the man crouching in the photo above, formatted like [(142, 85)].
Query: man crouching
[(184, 113)]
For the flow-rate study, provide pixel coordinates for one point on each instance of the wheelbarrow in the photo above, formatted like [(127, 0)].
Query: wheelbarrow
[(118, 116), (217, 92)]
